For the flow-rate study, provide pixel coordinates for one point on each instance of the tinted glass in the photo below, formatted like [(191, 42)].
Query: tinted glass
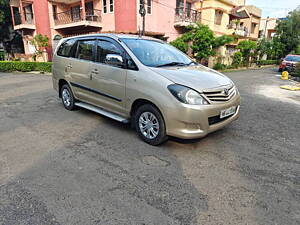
[(65, 48), (104, 48), (154, 53), (293, 58), (85, 50)]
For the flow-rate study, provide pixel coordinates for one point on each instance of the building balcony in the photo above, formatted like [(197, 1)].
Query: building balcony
[(238, 30), (24, 23), (185, 17), (75, 18)]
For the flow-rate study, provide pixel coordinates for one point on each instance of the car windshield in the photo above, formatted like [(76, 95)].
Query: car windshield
[(293, 58), (156, 54)]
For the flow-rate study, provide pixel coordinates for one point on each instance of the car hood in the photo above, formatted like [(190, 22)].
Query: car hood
[(197, 77)]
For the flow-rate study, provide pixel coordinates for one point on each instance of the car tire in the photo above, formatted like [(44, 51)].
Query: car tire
[(150, 125), (67, 97)]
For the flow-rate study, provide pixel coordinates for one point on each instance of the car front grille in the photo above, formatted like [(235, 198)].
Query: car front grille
[(220, 94)]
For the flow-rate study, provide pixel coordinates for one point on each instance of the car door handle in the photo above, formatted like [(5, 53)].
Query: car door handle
[(95, 71)]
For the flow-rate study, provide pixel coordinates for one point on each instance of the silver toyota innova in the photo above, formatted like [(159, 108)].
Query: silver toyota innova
[(145, 81)]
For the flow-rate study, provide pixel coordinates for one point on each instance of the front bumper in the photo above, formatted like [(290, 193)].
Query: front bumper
[(190, 121)]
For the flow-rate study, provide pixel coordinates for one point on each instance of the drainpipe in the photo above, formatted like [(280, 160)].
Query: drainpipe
[(184, 6), (83, 9)]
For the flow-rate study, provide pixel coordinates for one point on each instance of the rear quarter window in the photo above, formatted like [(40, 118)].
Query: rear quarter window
[(66, 48)]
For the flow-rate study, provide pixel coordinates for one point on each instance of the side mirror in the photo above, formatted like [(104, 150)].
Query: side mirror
[(114, 60)]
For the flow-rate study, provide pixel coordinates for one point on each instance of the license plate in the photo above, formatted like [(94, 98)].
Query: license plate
[(227, 112)]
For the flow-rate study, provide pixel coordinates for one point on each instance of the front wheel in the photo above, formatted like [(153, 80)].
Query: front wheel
[(150, 125)]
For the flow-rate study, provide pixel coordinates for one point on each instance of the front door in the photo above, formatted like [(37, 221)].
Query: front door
[(108, 81)]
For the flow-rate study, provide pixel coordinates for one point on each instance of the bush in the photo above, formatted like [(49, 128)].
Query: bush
[(266, 62), (9, 66), (237, 59), (219, 66)]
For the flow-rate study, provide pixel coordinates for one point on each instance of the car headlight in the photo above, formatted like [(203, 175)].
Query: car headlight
[(186, 95)]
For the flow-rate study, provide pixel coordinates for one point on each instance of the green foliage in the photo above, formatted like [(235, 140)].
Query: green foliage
[(39, 42), (247, 47), (267, 62), (5, 19), (180, 44), (200, 41), (237, 59), (288, 33), (264, 47), (222, 40), (219, 66), (9, 66)]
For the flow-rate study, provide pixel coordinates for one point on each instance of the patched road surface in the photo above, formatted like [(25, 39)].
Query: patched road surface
[(78, 168)]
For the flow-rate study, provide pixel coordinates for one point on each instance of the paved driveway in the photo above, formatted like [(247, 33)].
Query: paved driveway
[(69, 168)]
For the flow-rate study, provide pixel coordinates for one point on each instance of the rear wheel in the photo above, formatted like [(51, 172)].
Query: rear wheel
[(67, 97), (150, 125)]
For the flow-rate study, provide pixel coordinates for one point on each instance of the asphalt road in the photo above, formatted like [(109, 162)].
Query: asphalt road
[(79, 168)]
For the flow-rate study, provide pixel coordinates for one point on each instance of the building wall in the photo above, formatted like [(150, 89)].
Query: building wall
[(268, 31), (208, 15), (125, 16)]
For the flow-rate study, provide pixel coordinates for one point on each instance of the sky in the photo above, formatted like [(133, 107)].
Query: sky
[(274, 8)]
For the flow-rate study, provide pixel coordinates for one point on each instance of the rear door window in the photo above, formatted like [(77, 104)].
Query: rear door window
[(65, 48), (85, 50)]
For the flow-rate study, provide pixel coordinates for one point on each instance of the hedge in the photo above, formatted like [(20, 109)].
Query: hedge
[(9, 66), (267, 62)]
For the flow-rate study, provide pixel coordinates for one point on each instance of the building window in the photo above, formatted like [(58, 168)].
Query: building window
[(54, 10), (218, 17), (148, 6), (253, 28), (104, 6), (111, 5)]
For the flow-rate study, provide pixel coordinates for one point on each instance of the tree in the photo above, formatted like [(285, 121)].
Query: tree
[(5, 20), (40, 42), (200, 41), (247, 47), (288, 33), (264, 47)]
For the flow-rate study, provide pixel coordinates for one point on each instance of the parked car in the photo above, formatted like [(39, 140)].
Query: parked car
[(289, 63), (145, 81)]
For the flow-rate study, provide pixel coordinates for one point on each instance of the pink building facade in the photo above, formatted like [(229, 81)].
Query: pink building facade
[(62, 18)]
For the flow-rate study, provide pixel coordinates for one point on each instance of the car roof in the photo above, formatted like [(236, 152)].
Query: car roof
[(115, 36), (292, 55)]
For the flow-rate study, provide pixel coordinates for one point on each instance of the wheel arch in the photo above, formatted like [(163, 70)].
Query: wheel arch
[(141, 101), (61, 82)]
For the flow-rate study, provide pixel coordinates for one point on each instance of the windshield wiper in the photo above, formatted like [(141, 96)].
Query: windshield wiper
[(177, 64), (172, 64)]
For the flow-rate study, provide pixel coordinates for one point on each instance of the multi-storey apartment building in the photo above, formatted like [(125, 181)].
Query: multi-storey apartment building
[(61, 18), (164, 18)]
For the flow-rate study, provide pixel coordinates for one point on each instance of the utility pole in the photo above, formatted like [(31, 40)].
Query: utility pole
[(143, 15), (267, 20), (201, 7)]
